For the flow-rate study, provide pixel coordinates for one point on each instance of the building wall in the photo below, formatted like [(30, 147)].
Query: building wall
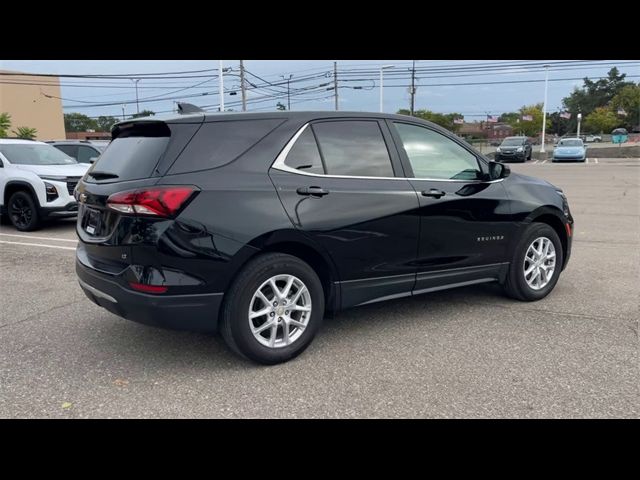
[(29, 106)]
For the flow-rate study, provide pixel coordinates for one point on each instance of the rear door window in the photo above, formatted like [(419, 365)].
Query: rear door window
[(353, 148)]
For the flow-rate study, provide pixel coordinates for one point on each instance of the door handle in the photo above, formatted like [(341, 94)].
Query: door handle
[(313, 191), (433, 192)]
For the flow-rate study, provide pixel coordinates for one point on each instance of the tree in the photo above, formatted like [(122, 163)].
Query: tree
[(5, 123), (594, 94), (445, 120), (601, 120), (281, 106), (144, 113), (27, 133), (528, 127), (509, 117), (105, 123), (628, 98), (557, 124), (78, 122)]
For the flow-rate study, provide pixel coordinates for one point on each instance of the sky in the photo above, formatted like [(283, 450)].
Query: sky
[(435, 80)]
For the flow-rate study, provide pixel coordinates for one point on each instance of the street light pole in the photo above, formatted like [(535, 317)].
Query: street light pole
[(221, 86), (544, 106), (579, 120), (123, 112), (382, 68)]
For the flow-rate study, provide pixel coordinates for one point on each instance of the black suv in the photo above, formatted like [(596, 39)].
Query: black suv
[(514, 148), (256, 224)]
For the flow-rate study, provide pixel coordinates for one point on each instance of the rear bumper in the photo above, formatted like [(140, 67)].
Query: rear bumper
[(180, 312)]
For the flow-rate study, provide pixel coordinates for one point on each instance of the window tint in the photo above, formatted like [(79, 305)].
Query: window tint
[(35, 154), (130, 158), (353, 148), (218, 143), (86, 153), (70, 150), (305, 155), (432, 155)]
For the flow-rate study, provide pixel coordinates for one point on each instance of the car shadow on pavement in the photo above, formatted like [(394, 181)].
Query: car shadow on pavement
[(160, 348)]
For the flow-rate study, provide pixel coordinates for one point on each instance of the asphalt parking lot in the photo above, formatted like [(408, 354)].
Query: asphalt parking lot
[(469, 352)]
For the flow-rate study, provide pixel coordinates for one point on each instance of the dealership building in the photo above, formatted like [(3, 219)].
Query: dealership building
[(32, 101)]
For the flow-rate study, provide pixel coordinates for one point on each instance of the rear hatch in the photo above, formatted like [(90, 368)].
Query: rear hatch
[(138, 156)]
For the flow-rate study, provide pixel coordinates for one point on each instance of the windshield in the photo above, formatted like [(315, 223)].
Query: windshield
[(508, 142), (36, 154), (570, 143)]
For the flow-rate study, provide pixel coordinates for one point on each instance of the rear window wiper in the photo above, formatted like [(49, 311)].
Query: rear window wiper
[(102, 175)]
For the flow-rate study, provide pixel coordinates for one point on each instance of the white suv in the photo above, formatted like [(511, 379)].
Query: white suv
[(36, 182)]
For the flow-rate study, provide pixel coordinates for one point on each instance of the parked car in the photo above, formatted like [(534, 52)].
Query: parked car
[(256, 224), (514, 148), (593, 138), (36, 182), (570, 149), (83, 151)]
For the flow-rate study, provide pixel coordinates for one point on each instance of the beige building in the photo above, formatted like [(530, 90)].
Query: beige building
[(33, 102)]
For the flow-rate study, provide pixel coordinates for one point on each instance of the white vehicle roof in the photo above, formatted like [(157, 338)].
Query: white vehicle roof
[(20, 141)]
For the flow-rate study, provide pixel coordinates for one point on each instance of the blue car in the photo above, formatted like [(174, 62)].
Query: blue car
[(570, 149)]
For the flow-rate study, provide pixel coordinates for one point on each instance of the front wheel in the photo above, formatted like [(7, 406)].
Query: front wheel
[(273, 309), (536, 264), (23, 212)]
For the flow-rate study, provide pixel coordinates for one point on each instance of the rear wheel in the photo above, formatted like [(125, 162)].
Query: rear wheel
[(536, 264), (273, 309), (23, 212)]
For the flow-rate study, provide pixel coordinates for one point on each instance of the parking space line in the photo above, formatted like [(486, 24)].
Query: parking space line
[(544, 161), (537, 161), (596, 160), (39, 238), (38, 245)]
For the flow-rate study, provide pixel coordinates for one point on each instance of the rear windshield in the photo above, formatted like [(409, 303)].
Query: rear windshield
[(128, 158), (570, 143), (35, 154), (512, 141)]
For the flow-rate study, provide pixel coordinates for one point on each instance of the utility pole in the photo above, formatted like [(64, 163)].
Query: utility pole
[(288, 79), (243, 89), (221, 86), (123, 112), (413, 87), (335, 83), (544, 107), (136, 80)]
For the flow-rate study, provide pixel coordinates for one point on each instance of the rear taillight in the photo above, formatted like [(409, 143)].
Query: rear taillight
[(154, 201)]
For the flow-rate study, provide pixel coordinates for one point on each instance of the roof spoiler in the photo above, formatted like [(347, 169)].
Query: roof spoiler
[(184, 108)]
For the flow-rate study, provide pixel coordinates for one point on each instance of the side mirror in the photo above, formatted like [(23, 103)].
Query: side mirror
[(93, 159), (1, 164), (498, 170)]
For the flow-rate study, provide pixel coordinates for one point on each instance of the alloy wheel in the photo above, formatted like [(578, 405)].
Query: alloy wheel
[(279, 311), (539, 263)]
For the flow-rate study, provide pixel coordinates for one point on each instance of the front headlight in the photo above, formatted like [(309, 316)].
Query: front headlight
[(52, 192), (520, 149), (498, 149)]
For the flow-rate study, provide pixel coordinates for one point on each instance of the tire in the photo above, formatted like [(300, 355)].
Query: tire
[(235, 323), (23, 212), (529, 156), (515, 284)]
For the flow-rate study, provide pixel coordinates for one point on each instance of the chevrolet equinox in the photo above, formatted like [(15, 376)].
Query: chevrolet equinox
[(256, 224)]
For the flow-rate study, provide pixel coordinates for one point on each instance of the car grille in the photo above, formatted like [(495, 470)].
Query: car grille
[(71, 184)]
